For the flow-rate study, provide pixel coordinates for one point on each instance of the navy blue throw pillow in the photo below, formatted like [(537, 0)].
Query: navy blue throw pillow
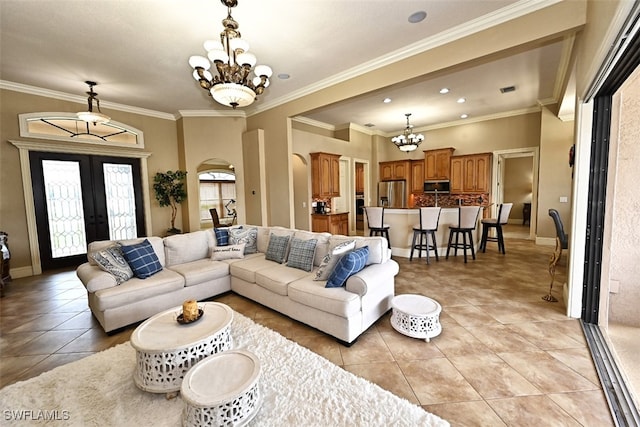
[(222, 236), (348, 265), (142, 259)]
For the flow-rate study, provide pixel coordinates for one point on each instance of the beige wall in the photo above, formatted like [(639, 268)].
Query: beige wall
[(160, 140), (554, 182), (205, 138), (622, 227), (518, 182)]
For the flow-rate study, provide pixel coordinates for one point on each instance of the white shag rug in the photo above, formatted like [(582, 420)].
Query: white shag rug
[(299, 388)]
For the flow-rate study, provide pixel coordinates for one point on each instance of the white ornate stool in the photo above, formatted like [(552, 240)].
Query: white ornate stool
[(416, 316), (222, 390), (166, 349)]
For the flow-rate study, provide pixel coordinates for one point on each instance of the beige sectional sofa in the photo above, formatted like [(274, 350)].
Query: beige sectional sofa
[(189, 272)]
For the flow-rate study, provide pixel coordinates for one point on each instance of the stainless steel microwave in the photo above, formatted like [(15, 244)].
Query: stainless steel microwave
[(437, 186)]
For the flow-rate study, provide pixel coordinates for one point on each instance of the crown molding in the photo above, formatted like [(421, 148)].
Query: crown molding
[(32, 90), (212, 113), (314, 123), (516, 10), (461, 122)]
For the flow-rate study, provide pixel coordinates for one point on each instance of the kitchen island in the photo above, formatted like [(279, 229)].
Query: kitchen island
[(401, 222)]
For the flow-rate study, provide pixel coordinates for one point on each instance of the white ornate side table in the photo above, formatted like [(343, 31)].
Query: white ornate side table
[(416, 316), (222, 390), (166, 349)]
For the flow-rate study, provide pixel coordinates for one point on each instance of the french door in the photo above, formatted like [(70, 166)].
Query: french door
[(79, 199)]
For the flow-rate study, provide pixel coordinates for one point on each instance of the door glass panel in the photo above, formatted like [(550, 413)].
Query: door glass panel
[(121, 203), (64, 207)]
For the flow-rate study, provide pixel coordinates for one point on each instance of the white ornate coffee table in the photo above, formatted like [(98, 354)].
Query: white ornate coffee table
[(222, 390), (416, 316), (166, 349)]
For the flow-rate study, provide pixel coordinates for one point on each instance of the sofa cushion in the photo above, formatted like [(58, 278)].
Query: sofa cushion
[(277, 278), (222, 236), (181, 248), (221, 253), (246, 269), (349, 264), (337, 301), (302, 253), (142, 259), (277, 249), (112, 260), (248, 236), (135, 290), (379, 251), (204, 270), (331, 259), (322, 246), (264, 234)]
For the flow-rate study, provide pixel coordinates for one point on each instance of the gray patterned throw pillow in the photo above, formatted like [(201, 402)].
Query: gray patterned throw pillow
[(111, 260), (248, 236), (277, 249), (301, 254)]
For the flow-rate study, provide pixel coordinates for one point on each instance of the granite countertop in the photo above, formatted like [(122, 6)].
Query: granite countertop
[(329, 213)]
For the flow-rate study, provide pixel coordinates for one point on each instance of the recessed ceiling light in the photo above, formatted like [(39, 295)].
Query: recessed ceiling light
[(283, 76), (386, 100), (444, 90), (461, 100), (464, 116), (416, 17)]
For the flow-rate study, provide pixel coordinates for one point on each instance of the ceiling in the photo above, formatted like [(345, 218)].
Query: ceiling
[(137, 51)]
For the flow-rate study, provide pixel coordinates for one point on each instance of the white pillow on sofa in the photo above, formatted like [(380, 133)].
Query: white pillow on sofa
[(220, 253), (331, 259)]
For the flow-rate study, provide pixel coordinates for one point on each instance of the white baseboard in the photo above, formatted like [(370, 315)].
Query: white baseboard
[(17, 273), (406, 252)]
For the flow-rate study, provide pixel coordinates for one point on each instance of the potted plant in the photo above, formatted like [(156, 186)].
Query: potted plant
[(170, 191)]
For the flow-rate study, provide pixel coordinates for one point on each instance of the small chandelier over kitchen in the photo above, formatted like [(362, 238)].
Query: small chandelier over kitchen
[(408, 141), (91, 116), (230, 83)]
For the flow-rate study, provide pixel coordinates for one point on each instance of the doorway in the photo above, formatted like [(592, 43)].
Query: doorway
[(515, 180), (82, 198)]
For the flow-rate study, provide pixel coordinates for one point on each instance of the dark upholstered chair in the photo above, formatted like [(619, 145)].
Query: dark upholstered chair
[(564, 238)]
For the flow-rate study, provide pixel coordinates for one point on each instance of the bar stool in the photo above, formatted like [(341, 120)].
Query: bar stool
[(375, 222), (467, 222), (428, 225), (497, 223)]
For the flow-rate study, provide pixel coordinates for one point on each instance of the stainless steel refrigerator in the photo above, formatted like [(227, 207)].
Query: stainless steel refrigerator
[(392, 194)]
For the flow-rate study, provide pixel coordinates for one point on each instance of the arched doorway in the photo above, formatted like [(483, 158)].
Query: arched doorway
[(217, 190)]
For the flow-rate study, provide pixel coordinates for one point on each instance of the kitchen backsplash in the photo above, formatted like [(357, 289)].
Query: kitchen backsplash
[(326, 201), (450, 199)]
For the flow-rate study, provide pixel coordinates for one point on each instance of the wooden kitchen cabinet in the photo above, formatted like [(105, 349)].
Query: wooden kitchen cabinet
[(399, 169), (325, 175), (334, 223), (438, 163), (471, 173), (417, 176), (359, 178)]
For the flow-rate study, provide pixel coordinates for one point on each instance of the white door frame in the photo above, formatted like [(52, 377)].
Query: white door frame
[(352, 219), (497, 179)]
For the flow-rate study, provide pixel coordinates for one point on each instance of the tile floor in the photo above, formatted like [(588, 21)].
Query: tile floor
[(505, 357)]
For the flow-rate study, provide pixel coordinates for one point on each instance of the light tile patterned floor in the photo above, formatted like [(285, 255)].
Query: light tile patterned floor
[(505, 357)]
